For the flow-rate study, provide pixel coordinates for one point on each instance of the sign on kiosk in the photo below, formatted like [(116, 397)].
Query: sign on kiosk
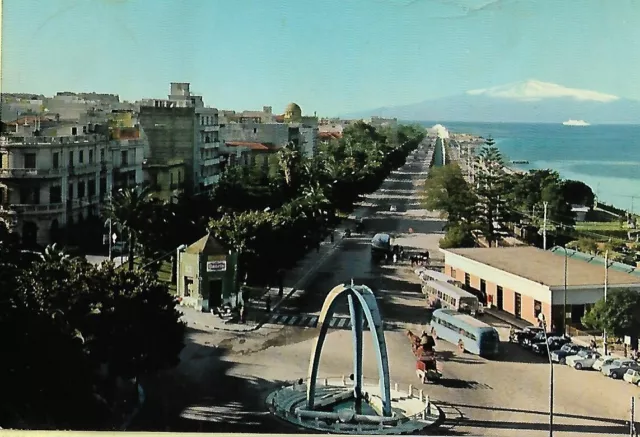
[(216, 266)]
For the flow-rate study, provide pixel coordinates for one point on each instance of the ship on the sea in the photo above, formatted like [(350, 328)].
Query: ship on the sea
[(519, 161), (576, 123)]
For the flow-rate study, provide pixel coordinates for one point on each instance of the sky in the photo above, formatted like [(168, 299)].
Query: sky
[(329, 56)]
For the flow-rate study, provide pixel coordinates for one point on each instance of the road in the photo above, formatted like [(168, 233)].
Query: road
[(223, 379)]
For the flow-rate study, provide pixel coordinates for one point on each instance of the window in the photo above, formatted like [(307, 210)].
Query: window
[(90, 156), (124, 158), (70, 192), (207, 139), (81, 188), (55, 194), (537, 308), (92, 187), (453, 302), (101, 155), (74, 131), (81, 157), (255, 130), (56, 160), (84, 129), (467, 280), (453, 272), (440, 294), (29, 160), (71, 159)]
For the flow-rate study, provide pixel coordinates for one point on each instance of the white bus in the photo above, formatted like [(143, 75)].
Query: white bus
[(445, 295)]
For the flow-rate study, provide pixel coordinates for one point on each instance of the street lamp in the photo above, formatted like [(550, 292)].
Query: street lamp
[(544, 326), (606, 285), (564, 306)]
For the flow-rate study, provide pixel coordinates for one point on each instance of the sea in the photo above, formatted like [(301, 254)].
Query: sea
[(605, 157)]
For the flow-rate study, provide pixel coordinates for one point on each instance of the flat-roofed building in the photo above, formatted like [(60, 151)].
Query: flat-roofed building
[(524, 281)]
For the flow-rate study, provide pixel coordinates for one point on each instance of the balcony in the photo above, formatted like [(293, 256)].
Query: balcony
[(33, 209), (215, 144), (210, 128), (85, 168), (212, 161), (22, 173), (211, 180)]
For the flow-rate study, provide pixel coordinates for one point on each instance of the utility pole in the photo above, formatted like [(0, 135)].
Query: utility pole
[(606, 284), (544, 227), (632, 425)]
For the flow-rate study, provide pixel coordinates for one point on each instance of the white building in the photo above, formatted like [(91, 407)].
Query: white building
[(51, 181)]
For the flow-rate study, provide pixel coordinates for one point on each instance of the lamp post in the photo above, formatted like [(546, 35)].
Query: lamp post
[(544, 326), (606, 285), (564, 306)]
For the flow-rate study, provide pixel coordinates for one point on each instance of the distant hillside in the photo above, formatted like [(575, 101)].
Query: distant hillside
[(529, 101)]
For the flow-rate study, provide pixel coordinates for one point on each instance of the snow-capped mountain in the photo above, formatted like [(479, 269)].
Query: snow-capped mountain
[(527, 101), (535, 90)]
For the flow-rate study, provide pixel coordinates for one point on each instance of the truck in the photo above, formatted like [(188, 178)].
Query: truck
[(381, 247)]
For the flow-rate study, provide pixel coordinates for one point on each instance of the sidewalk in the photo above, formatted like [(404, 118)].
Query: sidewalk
[(294, 282)]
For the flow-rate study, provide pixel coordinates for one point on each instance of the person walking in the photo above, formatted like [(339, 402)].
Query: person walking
[(267, 303)]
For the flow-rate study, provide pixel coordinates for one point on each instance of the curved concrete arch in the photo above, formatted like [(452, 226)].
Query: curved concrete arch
[(362, 302)]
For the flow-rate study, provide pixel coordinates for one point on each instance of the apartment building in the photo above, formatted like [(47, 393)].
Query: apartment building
[(259, 137), (55, 178), (184, 142)]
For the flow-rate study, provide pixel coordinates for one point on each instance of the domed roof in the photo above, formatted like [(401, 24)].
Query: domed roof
[(293, 107)]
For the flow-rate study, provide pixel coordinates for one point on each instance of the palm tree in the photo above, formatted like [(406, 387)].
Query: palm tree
[(53, 255), (129, 209), (288, 159)]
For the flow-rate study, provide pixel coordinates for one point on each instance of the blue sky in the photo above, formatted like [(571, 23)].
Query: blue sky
[(329, 56)]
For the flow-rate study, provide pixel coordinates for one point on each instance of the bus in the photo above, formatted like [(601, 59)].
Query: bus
[(446, 295), (380, 246), (468, 333)]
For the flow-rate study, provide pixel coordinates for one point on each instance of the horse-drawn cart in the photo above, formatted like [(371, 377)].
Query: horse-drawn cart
[(426, 364)]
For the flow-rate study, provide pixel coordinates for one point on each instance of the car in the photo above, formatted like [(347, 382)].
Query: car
[(528, 342), (604, 360), (585, 359), (393, 208), (528, 332), (555, 343), (618, 367), (568, 349), (632, 376)]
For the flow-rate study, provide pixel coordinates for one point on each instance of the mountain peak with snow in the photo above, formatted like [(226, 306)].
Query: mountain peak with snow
[(534, 90)]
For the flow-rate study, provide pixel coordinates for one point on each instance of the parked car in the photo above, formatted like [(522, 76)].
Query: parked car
[(528, 332), (568, 349), (632, 376), (618, 367), (585, 359), (555, 343), (604, 360), (529, 341)]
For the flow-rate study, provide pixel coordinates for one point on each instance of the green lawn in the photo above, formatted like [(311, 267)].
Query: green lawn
[(606, 229)]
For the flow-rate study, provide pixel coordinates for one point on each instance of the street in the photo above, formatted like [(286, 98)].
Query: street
[(223, 379)]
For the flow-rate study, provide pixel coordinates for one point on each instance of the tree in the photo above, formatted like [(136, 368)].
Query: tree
[(53, 255), (458, 235), (446, 190), (578, 193), (492, 199), (619, 315), (67, 320), (129, 208)]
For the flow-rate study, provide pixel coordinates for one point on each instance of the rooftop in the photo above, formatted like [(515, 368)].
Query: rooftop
[(544, 267), (249, 145)]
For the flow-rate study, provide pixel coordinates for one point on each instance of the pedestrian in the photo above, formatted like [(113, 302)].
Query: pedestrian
[(281, 282), (395, 258), (267, 303), (318, 246), (243, 314), (592, 344), (331, 236)]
